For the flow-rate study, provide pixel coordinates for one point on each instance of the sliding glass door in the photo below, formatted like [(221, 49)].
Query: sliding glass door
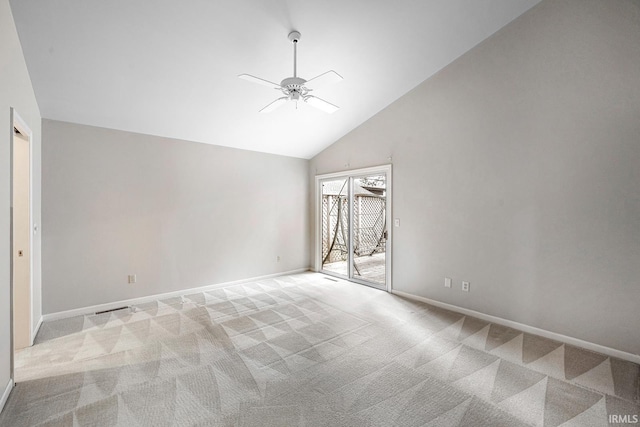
[(353, 221)]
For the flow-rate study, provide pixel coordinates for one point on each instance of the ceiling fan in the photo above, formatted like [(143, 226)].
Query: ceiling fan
[(296, 88)]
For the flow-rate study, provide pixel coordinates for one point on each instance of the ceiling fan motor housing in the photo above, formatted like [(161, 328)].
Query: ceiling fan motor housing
[(293, 87), (293, 83)]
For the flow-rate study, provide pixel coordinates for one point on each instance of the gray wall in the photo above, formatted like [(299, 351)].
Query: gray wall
[(15, 91), (178, 214), (517, 168)]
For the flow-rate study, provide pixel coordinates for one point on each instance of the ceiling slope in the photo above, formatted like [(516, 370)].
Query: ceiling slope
[(170, 67)]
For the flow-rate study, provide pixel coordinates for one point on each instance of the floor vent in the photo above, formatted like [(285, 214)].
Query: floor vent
[(113, 309), (329, 278)]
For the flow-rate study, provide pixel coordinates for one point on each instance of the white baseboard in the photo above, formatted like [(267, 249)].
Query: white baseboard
[(635, 358), (34, 333), (6, 393), (141, 300)]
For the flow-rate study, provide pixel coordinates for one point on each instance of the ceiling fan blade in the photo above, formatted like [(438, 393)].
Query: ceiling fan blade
[(321, 104), (258, 80), (323, 79), (275, 104)]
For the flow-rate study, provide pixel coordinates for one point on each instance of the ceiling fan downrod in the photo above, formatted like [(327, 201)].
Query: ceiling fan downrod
[(294, 37)]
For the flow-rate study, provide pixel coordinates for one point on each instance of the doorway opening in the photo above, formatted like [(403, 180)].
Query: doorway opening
[(21, 237), (353, 234)]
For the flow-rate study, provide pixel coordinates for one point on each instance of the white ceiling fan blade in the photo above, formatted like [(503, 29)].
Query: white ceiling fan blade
[(323, 79), (258, 80), (321, 104), (275, 104)]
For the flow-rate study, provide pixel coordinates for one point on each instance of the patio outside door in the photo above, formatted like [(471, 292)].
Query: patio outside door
[(353, 227)]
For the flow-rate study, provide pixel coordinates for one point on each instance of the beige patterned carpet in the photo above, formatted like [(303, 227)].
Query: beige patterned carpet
[(305, 350)]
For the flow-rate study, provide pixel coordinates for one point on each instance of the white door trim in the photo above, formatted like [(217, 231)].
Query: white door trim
[(386, 169)]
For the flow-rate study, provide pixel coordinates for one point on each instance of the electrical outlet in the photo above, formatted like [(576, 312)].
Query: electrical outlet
[(466, 286), (396, 222), (278, 258), (132, 278), (447, 282)]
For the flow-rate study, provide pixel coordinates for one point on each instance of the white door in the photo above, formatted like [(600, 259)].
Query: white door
[(21, 242)]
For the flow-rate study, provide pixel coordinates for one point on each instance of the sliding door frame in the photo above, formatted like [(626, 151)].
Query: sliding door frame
[(348, 174)]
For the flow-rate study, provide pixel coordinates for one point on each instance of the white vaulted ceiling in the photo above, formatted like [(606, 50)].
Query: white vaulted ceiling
[(169, 67)]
